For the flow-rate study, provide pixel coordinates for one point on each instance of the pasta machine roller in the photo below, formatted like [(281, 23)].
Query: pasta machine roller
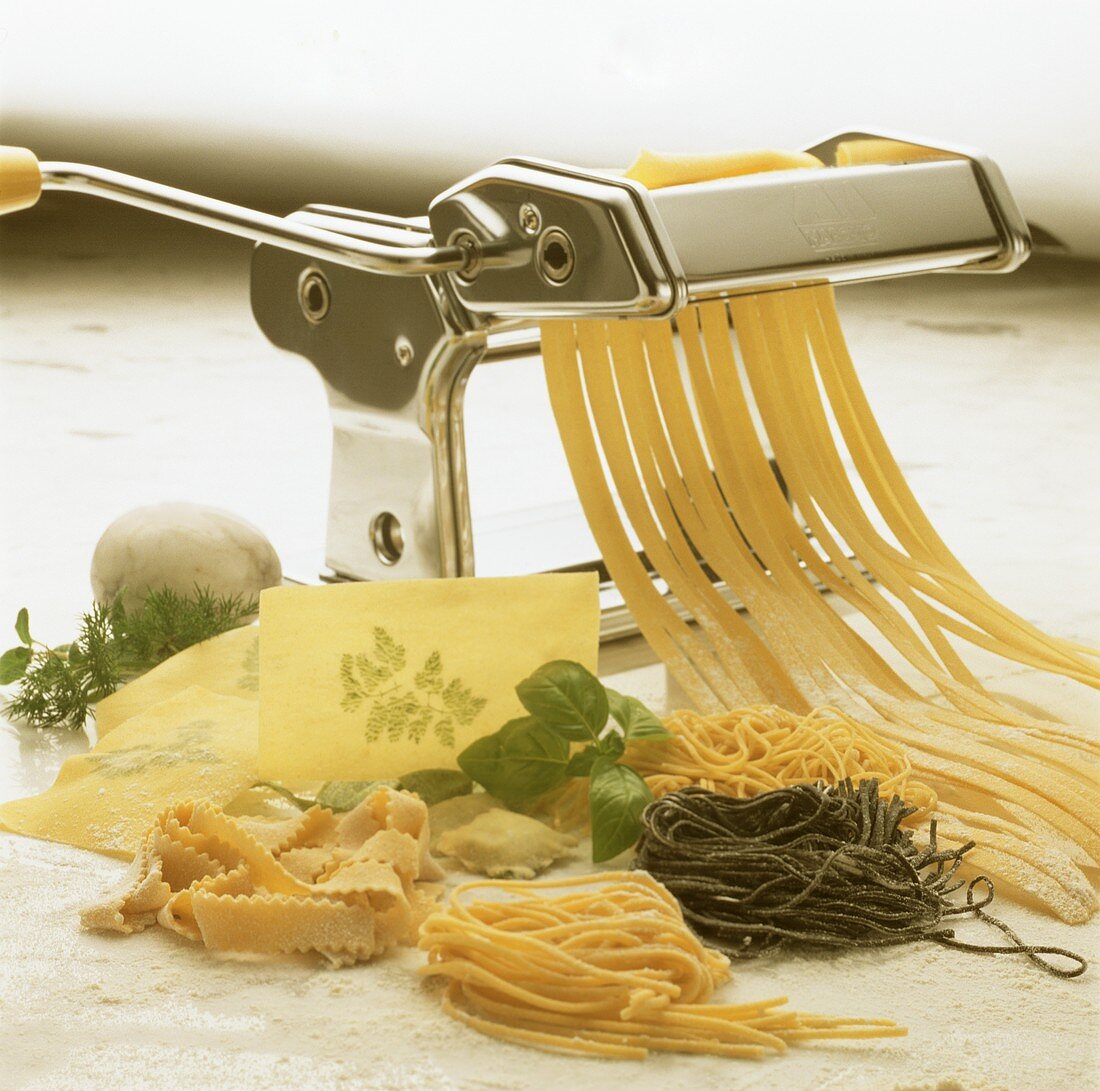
[(525, 240)]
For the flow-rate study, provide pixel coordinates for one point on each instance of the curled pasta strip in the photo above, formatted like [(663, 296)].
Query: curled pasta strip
[(347, 887), (747, 751)]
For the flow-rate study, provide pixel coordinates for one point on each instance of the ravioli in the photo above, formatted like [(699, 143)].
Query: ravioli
[(503, 844), (459, 811)]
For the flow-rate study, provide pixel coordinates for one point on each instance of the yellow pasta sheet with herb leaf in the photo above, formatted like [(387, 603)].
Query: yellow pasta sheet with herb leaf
[(227, 664), (370, 680), (195, 743)]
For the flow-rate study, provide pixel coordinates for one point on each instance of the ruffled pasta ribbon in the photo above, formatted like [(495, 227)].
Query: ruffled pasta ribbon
[(347, 887)]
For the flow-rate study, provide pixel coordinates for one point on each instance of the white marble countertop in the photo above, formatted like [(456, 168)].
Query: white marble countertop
[(131, 372)]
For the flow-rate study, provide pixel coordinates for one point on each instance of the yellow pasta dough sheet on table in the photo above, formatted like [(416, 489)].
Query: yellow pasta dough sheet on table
[(227, 664), (196, 743), (370, 680)]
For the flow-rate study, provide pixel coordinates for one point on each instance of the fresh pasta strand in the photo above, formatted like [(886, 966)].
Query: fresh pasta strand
[(603, 966), (686, 426)]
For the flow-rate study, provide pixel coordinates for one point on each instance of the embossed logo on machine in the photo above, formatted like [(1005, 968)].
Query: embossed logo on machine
[(834, 218)]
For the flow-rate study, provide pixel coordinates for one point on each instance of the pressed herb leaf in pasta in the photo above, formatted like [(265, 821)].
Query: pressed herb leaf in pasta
[(812, 864), (401, 709)]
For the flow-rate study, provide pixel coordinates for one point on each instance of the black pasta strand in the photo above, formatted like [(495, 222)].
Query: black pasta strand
[(831, 866)]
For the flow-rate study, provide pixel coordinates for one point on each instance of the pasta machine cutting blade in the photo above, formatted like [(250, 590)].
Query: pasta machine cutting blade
[(525, 240)]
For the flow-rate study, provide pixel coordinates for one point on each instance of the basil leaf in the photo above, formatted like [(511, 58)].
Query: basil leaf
[(23, 626), (612, 743), (567, 697), (13, 664), (616, 798), (346, 795), (523, 760), (481, 760), (535, 758), (580, 764), (435, 785), (635, 719)]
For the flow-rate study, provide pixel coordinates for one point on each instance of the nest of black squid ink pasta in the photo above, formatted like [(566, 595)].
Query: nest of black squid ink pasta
[(815, 864)]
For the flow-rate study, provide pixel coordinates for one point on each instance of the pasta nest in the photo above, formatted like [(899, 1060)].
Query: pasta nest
[(601, 965), (757, 749)]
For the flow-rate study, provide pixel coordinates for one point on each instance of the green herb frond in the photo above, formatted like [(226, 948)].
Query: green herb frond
[(60, 685)]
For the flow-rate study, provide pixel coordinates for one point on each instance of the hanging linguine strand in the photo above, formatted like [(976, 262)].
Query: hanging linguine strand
[(687, 428)]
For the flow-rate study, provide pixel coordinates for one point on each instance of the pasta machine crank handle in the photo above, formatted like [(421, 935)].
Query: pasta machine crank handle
[(23, 179)]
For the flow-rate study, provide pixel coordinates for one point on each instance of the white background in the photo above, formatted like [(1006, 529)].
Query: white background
[(386, 103)]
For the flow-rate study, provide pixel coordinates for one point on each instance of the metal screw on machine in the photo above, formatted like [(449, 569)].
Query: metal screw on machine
[(530, 219), (403, 350), (468, 244), (314, 295)]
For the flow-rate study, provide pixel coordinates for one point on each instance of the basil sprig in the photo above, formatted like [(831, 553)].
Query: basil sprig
[(533, 755)]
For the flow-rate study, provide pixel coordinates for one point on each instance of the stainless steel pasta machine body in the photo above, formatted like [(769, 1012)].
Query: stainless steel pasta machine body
[(548, 241), (395, 313)]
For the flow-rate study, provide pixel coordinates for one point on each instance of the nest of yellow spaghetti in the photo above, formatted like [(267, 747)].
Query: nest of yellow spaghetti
[(747, 751), (602, 966)]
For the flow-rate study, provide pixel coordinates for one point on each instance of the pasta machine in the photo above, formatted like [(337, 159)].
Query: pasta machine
[(525, 240)]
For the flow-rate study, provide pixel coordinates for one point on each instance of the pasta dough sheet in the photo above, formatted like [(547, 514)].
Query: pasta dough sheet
[(228, 664), (104, 800), (369, 680)]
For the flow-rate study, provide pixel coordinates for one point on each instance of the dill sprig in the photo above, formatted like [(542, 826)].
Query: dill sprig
[(58, 686)]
